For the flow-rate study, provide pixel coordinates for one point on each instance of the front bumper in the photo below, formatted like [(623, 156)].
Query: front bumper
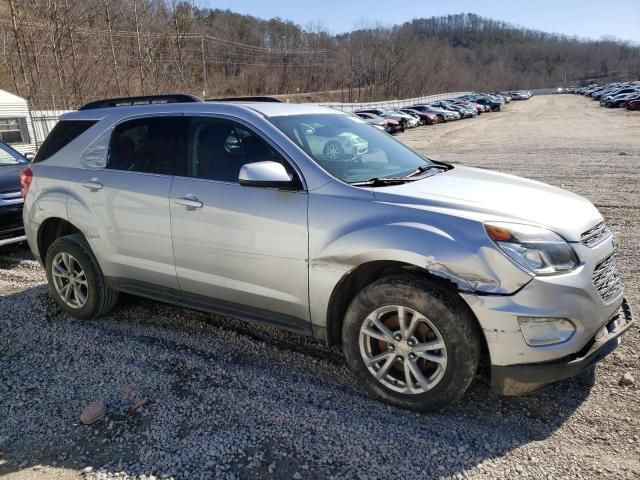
[(525, 378), (578, 296)]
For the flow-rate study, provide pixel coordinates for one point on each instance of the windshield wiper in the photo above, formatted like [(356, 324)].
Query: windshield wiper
[(380, 181), (424, 168)]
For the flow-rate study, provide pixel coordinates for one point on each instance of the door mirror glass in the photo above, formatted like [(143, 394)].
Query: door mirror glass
[(265, 174)]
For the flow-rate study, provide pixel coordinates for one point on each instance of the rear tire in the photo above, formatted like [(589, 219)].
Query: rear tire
[(75, 280), (443, 348)]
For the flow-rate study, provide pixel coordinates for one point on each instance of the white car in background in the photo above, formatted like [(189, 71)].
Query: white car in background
[(332, 145)]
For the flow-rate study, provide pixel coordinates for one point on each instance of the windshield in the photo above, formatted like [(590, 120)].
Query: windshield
[(348, 148), (8, 156)]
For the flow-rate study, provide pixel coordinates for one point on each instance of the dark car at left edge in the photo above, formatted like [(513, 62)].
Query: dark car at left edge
[(12, 164)]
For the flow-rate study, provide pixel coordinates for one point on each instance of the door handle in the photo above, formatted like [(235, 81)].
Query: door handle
[(93, 184), (189, 202)]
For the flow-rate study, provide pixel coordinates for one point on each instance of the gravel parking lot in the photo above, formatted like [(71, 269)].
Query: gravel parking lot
[(225, 399)]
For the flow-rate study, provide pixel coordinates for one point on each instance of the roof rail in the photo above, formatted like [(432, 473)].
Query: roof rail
[(245, 99), (142, 100)]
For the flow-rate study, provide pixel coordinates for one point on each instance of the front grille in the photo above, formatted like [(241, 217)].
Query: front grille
[(606, 279), (595, 235)]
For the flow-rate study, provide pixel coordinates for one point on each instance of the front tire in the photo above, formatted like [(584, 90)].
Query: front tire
[(75, 280), (411, 342)]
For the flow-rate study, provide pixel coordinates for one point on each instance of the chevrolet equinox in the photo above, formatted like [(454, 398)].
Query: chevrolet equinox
[(308, 219)]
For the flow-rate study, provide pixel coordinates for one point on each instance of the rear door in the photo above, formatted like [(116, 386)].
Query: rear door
[(239, 246), (129, 199)]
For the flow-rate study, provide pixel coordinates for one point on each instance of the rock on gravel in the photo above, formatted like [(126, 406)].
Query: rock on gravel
[(627, 379), (93, 412)]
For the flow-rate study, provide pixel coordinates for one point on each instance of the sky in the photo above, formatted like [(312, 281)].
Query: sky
[(583, 18)]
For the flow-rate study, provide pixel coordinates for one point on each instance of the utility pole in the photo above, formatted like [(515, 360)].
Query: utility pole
[(204, 65)]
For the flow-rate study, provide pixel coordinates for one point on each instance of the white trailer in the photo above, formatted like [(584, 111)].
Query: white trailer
[(16, 128)]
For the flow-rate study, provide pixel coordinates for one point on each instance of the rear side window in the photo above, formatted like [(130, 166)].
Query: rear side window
[(62, 134), (147, 145)]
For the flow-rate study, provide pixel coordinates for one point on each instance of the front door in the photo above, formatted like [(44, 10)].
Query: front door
[(234, 245)]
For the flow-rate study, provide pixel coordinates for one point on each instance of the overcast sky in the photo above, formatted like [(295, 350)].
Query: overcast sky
[(584, 18)]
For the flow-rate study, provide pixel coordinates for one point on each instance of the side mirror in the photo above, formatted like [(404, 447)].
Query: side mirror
[(30, 156), (265, 174)]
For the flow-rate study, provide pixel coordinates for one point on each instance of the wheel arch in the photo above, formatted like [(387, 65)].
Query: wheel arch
[(362, 276), (52, 229)]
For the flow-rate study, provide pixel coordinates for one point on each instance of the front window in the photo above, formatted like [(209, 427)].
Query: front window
[(9, 156), (350, 149)]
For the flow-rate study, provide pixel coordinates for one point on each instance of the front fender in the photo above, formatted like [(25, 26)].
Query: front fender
[(456, 249)]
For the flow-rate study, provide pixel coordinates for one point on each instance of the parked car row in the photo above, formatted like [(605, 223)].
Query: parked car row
[(612, 95), (394, 120)]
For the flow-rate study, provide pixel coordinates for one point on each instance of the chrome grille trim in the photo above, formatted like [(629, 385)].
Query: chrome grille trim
[(595, 235), (606, 280), (10, 199), (9, 195)]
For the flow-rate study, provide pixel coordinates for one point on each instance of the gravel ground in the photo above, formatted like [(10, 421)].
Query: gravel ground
[(227, 399)]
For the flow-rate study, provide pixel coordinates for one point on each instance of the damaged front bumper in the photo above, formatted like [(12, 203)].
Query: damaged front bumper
[(528, 377), (598, 314)]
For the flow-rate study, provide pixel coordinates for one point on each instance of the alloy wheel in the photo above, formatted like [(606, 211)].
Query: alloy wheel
[(333, 151), (403, 349), (69, 280)]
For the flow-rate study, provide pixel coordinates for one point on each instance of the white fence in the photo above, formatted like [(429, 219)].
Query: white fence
[(43, 122), (351, 107)]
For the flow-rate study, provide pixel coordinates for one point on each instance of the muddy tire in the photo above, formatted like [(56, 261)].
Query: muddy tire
[(411, 342)]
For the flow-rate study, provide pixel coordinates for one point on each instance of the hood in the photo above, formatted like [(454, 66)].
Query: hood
[(488, 195), (10, 177)]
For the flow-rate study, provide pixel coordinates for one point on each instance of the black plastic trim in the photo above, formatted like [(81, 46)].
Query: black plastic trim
[(141, 100), (211, 305)]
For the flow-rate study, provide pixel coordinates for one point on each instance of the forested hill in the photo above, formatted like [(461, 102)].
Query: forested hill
[(65, 52)]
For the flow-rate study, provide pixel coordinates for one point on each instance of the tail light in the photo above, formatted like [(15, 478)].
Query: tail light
[(26, 176)]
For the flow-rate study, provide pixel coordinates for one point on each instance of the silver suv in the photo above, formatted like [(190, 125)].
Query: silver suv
[(419, 269)]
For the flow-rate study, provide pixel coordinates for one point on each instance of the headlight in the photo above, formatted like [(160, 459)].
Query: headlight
[(539, 250)]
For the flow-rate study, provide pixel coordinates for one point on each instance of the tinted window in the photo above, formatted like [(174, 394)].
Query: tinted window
[(148, 145), (217, 149), (62, 134)]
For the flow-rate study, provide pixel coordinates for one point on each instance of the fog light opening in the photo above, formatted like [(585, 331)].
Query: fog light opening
[(543, 331)]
